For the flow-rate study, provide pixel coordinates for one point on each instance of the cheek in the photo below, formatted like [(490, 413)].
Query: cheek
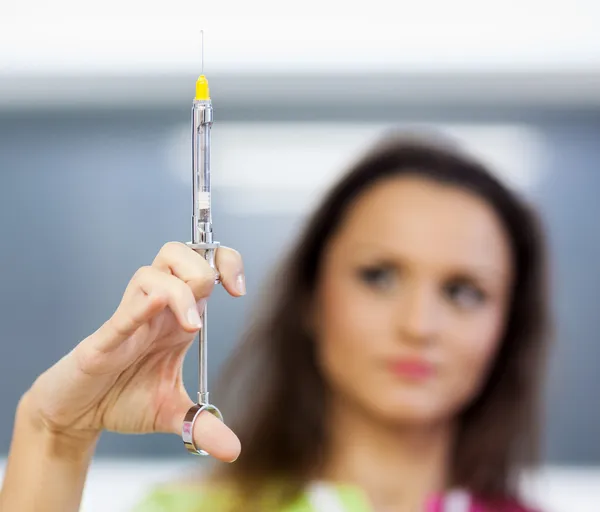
[(350, 327), (471, 351)]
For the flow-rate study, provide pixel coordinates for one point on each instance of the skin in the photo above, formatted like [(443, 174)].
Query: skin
[(417, 270)]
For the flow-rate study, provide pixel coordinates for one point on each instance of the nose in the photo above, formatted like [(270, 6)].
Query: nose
[(419, 315)]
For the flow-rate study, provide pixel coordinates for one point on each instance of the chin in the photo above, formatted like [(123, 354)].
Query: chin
[(413, 411)]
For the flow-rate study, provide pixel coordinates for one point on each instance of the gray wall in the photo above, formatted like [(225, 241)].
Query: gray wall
[(85, 200)]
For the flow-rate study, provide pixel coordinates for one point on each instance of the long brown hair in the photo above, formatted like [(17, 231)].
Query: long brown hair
[(277, 392)]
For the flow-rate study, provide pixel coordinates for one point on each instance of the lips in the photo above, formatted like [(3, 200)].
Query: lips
[(414, 369)]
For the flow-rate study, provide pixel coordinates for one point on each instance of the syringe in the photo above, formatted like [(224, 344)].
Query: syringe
[(202, 241)]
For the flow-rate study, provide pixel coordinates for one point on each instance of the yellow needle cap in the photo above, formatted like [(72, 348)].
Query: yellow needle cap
[(202, 91)]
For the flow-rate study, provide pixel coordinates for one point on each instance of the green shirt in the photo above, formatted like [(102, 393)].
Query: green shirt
[(174, 499)]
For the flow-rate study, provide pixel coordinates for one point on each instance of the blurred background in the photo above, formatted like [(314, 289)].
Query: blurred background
[(95, 168)]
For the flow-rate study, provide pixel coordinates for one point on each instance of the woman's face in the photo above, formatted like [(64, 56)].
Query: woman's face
[(412, 300)]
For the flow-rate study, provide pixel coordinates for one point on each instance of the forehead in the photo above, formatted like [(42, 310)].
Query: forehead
[(427, 221)]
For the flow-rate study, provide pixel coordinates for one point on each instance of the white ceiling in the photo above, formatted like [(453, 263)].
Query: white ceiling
[(462, 35), (51, 47)]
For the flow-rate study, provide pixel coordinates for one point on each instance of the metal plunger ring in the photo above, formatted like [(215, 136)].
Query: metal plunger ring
[(187, 430)]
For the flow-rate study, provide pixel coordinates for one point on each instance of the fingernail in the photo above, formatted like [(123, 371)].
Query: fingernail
[(240, 284), (194, 317)]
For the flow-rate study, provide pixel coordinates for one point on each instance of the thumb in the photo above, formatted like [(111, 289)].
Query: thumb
[(210, 433)]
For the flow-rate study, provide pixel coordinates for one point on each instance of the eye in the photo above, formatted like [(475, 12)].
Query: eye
[(380, 277), (464, 294)]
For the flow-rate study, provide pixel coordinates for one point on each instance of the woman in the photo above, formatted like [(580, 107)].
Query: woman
[(398, 367)]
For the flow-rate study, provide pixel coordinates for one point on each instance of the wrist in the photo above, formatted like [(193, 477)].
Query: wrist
[(51, 440), (46, 468)]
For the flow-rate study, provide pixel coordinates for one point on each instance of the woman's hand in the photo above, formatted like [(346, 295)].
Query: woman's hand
[(126, 377)]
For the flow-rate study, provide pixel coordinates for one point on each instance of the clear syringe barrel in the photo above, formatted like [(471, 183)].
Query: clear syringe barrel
[(202, 234), (202, 117)]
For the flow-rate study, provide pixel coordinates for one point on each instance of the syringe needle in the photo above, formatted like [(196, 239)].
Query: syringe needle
[(202, 50)]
